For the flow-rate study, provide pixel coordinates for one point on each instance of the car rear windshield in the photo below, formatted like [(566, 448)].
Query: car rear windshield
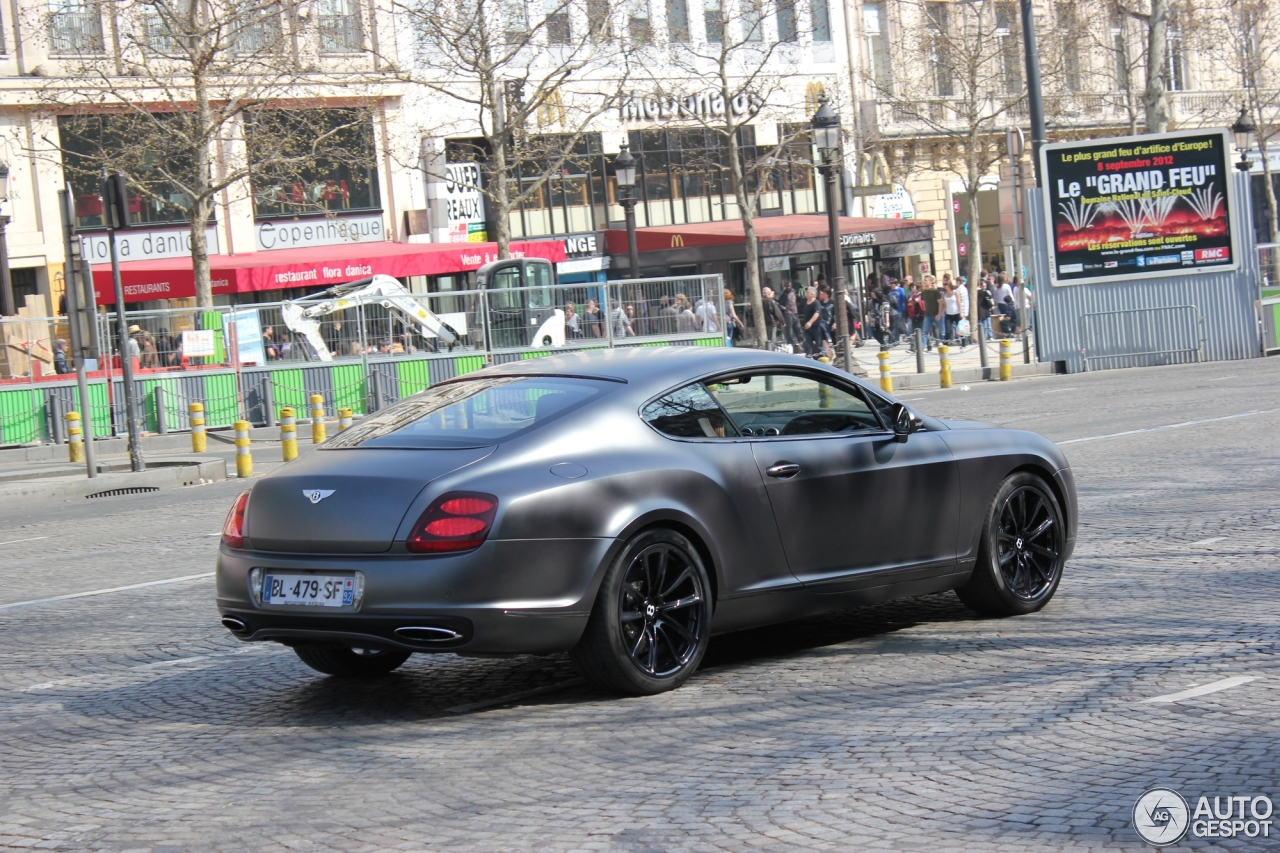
[(468, 414)]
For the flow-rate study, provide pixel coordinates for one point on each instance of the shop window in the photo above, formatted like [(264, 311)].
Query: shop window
[(24, 283), (312, 161), (119, 143)]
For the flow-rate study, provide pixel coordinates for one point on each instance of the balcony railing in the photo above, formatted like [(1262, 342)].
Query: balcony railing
[(262, 36), (340, 33), (1190, 109), (157, 36), (75, 33)]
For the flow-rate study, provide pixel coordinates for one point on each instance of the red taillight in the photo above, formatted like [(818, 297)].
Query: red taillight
[(233, 527), (458, 521)]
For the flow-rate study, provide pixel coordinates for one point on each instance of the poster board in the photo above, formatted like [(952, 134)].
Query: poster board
[(1139, 207)]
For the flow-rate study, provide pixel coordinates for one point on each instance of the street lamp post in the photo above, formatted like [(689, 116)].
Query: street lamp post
[(7, 307), (1243, 131), (624, 171), (826, 137)]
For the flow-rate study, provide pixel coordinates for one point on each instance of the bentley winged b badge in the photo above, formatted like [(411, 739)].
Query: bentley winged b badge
[(317, 495)]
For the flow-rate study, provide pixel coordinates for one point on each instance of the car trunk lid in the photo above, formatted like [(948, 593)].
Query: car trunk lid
[(345, 501)]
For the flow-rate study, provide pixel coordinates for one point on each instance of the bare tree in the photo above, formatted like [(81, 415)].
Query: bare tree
[(741, 72), (1102, 28), (1245, 38), (967, 90), (488, 71), (166, 100)]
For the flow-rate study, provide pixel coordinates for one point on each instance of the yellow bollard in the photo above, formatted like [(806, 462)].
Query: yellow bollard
[(1006, 366), (886, 378), (944, 366), (317, 419), (199, 443), (244, 460), (344, 419), (75, 437), (288, 434)]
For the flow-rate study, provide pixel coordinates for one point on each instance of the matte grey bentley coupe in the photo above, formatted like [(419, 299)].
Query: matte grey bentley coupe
[(624, 505)]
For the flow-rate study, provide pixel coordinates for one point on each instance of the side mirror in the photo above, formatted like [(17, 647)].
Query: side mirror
[(903, 423)]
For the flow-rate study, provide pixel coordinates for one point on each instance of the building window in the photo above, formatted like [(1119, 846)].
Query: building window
[(339, 22), (289, 178), (876, 32), (713, 16), (166, 31), (787, 30), (678, 20), (1120, 51), (939, 49), (598, 12), (638, 29), (262, 33), (119, 143), (1010, 55), (821, 21), (752, 16), (557, 22), (75, 28), (515, 21), (1176, 75)]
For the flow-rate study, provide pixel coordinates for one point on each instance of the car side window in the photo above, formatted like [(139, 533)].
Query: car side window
[(769, 404), (689, 412)]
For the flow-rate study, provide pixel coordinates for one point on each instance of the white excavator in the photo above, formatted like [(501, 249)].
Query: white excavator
[(521, 312), (302, 316)]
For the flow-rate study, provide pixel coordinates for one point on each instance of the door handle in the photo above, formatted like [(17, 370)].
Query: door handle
[(783, 470)]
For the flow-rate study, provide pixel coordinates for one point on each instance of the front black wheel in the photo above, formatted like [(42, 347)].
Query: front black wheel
[(347, 662), (652, 618), (1020, 555)]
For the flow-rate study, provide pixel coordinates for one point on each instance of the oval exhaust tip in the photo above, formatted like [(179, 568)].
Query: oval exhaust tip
[(427, 634), (234, 625)]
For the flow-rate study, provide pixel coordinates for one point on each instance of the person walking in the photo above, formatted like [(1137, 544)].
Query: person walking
[(732, 324), (962, 297), (775, 320), (790, 307), (986, 304), (60, 357), (811, 315), (572, 329), (951, 310), (828, 322), (592, 322), (931, 297), (899, 296)]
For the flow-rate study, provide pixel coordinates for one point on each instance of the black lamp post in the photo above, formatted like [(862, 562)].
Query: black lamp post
[(1243, 131), (6, 283), (826, 138), (624, 172)]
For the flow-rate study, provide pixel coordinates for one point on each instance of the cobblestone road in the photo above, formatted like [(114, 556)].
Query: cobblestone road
[(131, 720)]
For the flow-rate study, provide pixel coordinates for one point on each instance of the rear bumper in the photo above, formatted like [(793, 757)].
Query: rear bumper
[(506, 597)]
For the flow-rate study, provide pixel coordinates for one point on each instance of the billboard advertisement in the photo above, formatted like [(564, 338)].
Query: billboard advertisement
[(1139, 206)]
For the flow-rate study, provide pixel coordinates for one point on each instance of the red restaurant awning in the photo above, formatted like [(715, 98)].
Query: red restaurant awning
[(172, 278)]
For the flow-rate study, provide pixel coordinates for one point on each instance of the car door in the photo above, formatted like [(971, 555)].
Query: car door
[(853, 504)]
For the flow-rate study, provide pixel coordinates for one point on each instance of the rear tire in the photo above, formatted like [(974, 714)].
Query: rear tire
[(347, 662), (651, 622), (1020, 551)]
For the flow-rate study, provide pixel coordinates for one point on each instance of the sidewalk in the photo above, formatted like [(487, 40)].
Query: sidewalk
[(44, 472)]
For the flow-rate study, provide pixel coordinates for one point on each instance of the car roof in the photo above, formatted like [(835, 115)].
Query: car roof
[(645, 366)]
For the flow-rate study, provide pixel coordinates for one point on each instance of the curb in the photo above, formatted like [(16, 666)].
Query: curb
[(916, 381), (68, 488)]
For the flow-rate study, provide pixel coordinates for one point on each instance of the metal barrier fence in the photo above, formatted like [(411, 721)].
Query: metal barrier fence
[(376, 354), (1269, 295), (1146, 336)]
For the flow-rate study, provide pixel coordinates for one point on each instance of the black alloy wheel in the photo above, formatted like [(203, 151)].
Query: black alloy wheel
[(1027, 547), (652, 618), (1020, 554), (658, 610)]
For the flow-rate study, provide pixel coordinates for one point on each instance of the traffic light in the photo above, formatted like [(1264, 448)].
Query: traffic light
[(115, 201)]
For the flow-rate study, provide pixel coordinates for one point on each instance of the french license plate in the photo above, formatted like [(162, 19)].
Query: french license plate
[(313, 590)]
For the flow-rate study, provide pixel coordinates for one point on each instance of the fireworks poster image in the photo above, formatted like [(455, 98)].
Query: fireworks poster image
[(1139, 206)]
